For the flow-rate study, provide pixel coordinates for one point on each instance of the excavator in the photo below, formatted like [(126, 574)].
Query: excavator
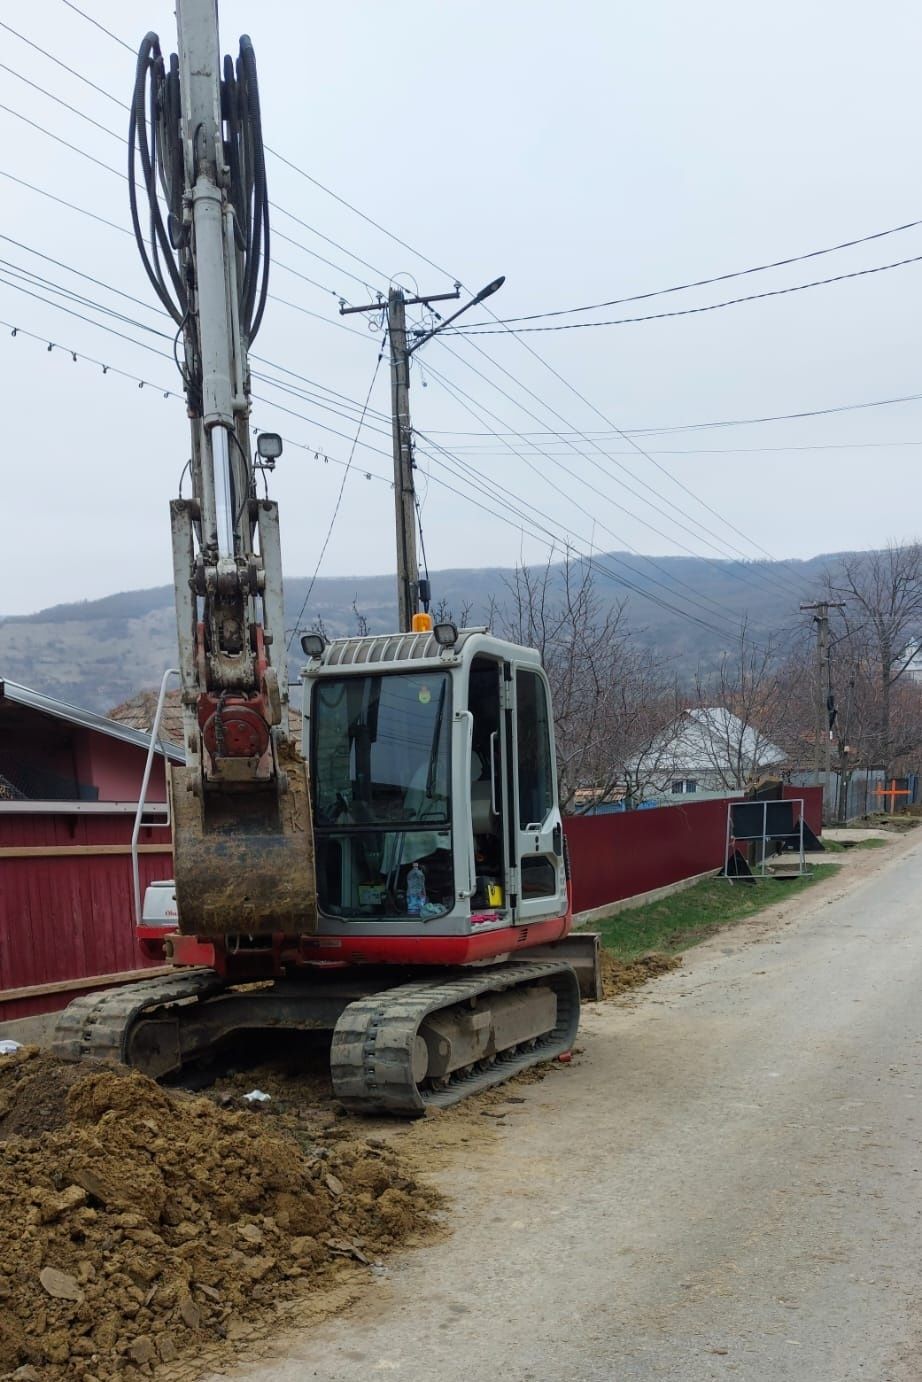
[(399, 879)]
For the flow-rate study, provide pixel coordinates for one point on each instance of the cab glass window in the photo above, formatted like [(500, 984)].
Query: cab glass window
[(535, 769)]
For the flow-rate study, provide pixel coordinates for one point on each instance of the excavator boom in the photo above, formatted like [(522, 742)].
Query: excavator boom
[(244, 857)]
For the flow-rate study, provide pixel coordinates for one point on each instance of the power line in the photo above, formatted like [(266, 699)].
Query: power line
[(503, 328), (15, 330), (649, 431), (60, 140), (778, 417), (48, 285), (113, 225), (441, 269), (486, 451), (58, 63), (339, 497), (90, 20), (676, 581), (74, 110), (552, 546), (115, 135), (371, 266), (606, 472), (629, 439), (717, 278), (637, 517)]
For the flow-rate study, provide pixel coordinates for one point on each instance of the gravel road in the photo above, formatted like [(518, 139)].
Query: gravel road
[(726, 1184)]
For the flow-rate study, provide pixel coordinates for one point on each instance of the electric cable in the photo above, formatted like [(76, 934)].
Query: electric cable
[(89, 18), (16, 330), (691, 598), (339, 500), (355, 209), (552, 545), (477, 329), (65, 66), (595, 489), (717, 278)]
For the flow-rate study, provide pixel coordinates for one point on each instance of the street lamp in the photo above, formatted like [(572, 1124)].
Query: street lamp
[(423, 336)]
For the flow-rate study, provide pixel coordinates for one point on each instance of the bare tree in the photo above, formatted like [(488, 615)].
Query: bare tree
[(606, 690), (361, 622), (883, 595), (444, 614)]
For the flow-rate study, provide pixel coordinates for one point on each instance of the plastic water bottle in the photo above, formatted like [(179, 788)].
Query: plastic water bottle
[(416, 891)]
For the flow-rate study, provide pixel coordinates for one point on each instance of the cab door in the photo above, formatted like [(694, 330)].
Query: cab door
[(538, 832)]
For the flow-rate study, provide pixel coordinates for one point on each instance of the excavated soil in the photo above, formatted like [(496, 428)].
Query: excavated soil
[(620, 975), (139, 1225)]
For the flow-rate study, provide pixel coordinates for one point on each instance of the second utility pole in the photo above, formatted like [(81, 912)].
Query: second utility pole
[(823, 745)]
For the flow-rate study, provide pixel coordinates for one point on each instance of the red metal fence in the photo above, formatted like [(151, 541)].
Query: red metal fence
[(629, 852), (66, 906)]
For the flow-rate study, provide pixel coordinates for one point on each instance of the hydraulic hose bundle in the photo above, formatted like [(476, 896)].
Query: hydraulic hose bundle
[(155, 143)]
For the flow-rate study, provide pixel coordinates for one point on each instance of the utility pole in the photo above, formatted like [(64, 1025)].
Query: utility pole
[(408, 583), (404, 481), (823, 744)]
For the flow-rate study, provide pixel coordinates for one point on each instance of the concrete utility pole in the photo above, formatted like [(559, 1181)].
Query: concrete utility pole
[(404, 482), (823, 744)]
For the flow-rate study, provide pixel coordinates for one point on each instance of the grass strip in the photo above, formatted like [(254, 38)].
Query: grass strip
[(688, 917)]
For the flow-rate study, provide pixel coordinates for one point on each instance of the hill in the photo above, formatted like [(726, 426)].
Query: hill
[(97, 653)]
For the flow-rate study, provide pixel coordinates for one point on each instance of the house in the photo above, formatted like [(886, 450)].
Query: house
[(703, 750), (70, 781)]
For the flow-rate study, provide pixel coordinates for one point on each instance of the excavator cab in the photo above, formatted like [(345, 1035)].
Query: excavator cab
[(434, 801)]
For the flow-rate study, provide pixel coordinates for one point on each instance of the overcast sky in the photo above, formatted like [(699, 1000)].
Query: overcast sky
[(589, 152)]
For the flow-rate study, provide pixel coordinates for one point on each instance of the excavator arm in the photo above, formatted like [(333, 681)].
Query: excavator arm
[(242, 832)]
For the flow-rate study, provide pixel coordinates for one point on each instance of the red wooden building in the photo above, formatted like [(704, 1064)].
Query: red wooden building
[(69, 787)]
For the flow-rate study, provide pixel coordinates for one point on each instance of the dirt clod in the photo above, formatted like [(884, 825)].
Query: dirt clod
[(618, 976), (138, 1224)]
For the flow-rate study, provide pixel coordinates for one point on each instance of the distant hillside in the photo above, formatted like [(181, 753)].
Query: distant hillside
[(97, 653)]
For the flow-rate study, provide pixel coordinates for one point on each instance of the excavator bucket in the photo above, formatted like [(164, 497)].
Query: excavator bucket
[(244, 859)]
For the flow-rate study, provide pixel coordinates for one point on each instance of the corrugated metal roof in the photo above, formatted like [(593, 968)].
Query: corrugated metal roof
[(86, 719), (710, 739)]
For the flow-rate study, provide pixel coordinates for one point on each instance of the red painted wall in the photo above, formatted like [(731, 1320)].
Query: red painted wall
[(116, 769), (68, 917), (630, 852), (813, 804)]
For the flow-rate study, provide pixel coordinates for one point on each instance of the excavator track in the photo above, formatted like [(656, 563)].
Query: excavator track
[(376, 1062), (396, 1050), (99, 1026)]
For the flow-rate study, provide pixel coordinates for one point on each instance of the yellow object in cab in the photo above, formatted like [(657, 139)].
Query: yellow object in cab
[(494, 894)]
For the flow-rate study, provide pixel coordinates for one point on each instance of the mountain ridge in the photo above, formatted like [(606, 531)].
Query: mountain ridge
[(99, 652)]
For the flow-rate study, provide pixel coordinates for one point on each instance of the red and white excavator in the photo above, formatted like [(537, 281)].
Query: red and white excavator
[(409, 892)]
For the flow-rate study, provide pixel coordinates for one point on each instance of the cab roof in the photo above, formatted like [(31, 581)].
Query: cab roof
[(388, 651)]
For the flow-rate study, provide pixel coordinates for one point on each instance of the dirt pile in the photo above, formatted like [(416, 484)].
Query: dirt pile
[(137, 1224), (620, 975)]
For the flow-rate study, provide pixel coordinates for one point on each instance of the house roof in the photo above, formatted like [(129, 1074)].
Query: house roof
[(85, 719), (699, 739), (138, 712)]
